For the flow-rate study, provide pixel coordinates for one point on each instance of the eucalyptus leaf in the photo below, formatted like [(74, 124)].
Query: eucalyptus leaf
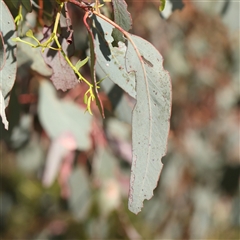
[(150, 120), (26, 3), (122, 18), (81, 63), (8, 63), (137, 68), (111, 60), (33, 57), (93, 69), (80, 198), (60, 116), (63, 76), (2, 52)]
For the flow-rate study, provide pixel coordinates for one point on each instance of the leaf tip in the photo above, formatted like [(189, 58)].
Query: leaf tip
[(134, 208)]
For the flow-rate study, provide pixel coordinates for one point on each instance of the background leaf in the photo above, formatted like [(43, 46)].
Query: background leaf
[(81, 195), (92, 69), (59, 117), (26, 3), (168, 7), (61, 147), (63, 76), (122, 18), (33, 56), (150, 120), (8, 72), (121, 103)]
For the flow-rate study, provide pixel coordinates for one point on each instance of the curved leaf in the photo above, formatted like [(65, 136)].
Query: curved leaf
[(162, 5), (8, 51), (150, 120), (111, 60), (151, 114), (92, 66)]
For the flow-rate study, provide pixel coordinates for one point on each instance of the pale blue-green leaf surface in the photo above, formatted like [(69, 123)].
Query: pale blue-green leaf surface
[(80, 193), (111, 60), (8, 63), (150, 120), (33, 57), (60, 116), (121, 17), (139, 71)]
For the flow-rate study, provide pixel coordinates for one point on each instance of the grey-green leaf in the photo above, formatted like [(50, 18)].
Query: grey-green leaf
[(81, 63), (150, 120), (33, 57), (2, 52), (26, 3), (80, 198), (121, 17), (111, 60), (61, 116), (8, 64), (137, 68)]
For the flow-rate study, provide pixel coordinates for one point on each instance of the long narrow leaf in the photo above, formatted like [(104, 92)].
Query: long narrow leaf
[(150, 120), (92, 67)]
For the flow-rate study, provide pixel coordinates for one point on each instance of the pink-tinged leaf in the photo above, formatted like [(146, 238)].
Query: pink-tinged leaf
[(65, 173), (63, 76), (59, 149), (121, 17), (8, 63)]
